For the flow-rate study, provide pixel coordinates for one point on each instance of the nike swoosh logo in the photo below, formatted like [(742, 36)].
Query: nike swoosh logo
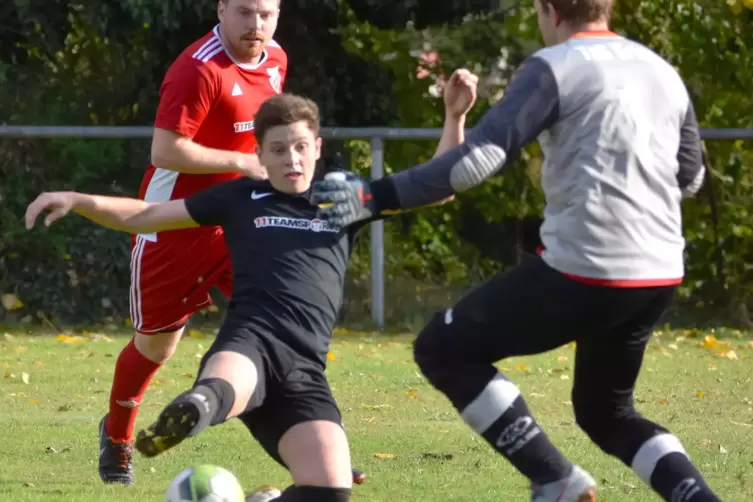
[(257, 196)]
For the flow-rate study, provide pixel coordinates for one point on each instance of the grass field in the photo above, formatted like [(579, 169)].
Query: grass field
[(405, 435)]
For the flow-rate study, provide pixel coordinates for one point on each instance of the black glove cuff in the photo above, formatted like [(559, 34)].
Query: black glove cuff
[(384, 195)]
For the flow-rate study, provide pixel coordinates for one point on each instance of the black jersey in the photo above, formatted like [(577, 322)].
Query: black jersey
[(288, 266)]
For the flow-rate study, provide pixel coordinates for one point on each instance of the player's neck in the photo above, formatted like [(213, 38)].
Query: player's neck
[(235, 56), (584, 29)]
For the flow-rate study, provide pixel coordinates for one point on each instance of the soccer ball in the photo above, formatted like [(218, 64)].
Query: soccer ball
[(205, 483)]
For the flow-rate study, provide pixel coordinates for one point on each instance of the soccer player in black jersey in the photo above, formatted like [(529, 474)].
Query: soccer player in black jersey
[(267, 364)]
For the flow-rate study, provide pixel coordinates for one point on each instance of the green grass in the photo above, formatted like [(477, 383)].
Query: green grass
[(404, 434)]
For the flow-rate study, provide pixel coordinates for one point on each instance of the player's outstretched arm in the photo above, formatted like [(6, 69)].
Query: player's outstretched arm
[(119, 213), (530, 106)]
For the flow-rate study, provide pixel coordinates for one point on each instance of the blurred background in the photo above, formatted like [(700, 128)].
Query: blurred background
[(367, 63)]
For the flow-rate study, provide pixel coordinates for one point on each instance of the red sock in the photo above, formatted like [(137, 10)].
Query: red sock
[(133, 373)]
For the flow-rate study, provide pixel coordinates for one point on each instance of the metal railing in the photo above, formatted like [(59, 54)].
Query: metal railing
[(376, 137)]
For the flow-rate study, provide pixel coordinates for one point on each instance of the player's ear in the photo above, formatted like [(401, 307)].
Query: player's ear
[(258, 150), (318, 144), (220, 9), (554, 15)]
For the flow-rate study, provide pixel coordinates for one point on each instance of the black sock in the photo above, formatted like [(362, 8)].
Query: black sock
[(517, 436), (314, 494), (214, 398), (675, 478)]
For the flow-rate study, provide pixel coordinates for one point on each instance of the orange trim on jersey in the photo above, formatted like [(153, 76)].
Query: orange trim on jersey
[(620, 283), (595, 33)]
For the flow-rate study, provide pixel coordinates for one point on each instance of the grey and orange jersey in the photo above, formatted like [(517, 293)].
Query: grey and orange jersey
[(621, 148)]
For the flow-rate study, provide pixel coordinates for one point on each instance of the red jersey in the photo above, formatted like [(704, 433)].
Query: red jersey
[(211, 98)]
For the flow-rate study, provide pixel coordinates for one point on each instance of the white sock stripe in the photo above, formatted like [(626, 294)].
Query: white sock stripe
[(496, 398), (652, 451)]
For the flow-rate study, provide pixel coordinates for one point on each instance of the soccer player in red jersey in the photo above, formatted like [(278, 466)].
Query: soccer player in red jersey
[(204, 135)]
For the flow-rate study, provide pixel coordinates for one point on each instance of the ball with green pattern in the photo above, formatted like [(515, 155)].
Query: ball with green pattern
[(205, 483)]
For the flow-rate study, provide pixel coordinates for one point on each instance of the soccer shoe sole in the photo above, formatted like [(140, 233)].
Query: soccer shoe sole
[(173, 426)]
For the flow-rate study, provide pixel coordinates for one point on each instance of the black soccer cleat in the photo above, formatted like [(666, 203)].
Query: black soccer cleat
[(176, 422), (359, 477), (115, 459)]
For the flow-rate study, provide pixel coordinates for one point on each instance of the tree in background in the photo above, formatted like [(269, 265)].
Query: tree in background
[(367, 63)]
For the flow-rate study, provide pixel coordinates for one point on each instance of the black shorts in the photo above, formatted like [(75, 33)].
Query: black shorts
[(292, 388)]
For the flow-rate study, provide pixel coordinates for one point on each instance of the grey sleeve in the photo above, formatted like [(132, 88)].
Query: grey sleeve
[(529, 106), (690, 155)]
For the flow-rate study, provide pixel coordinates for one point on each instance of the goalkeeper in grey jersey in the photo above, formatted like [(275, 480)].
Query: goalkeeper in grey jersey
[(622, 148)]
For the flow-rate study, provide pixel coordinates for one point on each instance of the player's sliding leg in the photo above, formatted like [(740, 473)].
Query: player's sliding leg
[(136, 365), (523, 311), (318, 457), (315, 452), (606, 369), (222, 391)]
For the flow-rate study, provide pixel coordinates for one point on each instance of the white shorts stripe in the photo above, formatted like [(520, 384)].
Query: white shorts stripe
[(136, 255)]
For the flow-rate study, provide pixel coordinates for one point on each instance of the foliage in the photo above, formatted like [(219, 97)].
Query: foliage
[(366, 63)]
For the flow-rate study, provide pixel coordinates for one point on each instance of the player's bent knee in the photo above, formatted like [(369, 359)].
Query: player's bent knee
[(601, 421), (236, 369), (317, 454), (315, 494), (430, 350), (157, 347)]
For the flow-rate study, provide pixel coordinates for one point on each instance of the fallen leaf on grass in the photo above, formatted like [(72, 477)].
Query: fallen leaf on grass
[(384, 456), (197, 335), (521, 367), (562, 359), (729, 354), (369, 420), (709, 342), (8, 374), (29, 485), (435, 456), (663, 401), (722, 449), (331, 356), (411, 393), (700, 394), (376, 406), (20, 349), (63, 338), (740, 423), (25, 378), (34, 401)]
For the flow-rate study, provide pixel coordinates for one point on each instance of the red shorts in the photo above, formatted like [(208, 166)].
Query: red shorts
[(171, 279)]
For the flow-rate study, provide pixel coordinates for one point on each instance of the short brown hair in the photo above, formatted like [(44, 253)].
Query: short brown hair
[(285, 109), (582, 11)]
